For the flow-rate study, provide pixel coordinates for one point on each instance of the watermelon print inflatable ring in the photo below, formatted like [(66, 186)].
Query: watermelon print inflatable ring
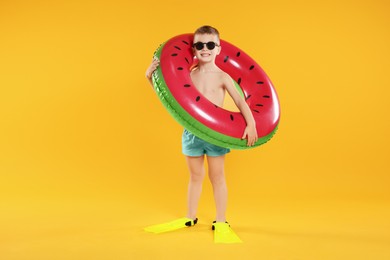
[(173, 85)]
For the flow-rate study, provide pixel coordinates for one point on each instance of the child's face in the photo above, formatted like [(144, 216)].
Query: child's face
[(205, 54)]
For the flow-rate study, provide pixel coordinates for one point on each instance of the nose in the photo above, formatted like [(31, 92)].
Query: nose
[(203, 46)]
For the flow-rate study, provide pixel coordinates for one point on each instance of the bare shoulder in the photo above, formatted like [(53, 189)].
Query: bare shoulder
[(226, 79), (225, 75)]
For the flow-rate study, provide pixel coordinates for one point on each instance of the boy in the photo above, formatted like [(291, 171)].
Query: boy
[(213, 83)]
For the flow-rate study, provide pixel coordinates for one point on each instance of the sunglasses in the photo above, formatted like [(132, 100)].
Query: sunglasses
[(209, 45)]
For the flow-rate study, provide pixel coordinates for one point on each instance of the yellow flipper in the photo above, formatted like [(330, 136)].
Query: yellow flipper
[(223, 233), (171, 226)]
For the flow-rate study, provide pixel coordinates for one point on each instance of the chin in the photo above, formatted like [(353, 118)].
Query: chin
[(206, 59)]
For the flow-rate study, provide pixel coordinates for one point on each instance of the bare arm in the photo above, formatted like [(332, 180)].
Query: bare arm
[(250, 131), (152, 67)]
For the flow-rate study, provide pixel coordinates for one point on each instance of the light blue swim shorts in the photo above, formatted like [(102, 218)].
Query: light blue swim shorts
[(194, 146)]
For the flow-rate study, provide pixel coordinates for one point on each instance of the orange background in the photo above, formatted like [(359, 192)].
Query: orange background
[(89, 156)]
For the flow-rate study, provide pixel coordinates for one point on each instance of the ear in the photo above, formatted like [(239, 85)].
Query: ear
[(219, 49)]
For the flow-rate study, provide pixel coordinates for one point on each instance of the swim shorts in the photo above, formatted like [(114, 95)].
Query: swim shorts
[(194, 146)]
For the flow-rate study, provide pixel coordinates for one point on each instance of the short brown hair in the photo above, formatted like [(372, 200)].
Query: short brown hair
[(206, 29)]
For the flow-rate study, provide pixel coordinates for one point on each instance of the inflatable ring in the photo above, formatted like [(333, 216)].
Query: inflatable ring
[(173, 85)]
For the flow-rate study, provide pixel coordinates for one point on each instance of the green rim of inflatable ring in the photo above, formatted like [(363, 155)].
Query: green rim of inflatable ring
[(190, 123)]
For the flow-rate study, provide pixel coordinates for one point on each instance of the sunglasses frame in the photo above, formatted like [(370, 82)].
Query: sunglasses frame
[(207, 45)]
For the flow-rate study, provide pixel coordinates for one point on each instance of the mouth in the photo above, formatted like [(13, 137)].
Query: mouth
[(205, 54)]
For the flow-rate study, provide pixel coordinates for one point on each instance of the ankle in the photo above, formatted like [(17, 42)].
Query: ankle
[(191, 217)]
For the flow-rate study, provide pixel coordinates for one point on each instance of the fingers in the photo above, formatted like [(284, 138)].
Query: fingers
[(251, 139), (155, 61), (152, 67), (245, 135)]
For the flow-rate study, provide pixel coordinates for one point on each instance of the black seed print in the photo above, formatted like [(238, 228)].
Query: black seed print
[(248, 97), (187, 60), (226, 58), (259, 105), (266, 96), (174, 54), (185, 42), (216, 106), (259, 82), (231, 117), (187, 85), (251, 67), (257, 111), (239, 81), (179, 68), (238, 54), (197, 98), (177, 48)]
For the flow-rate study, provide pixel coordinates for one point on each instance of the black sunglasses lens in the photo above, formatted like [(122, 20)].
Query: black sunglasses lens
[(198, 46), (210, 45)]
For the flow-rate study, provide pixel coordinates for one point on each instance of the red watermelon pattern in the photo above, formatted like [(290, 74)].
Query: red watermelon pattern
[(175, 62)]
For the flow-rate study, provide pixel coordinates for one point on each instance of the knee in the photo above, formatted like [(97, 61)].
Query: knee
[(217, 178), (197, 176)]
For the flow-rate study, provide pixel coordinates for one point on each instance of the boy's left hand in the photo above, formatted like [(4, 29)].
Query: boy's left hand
[(250, 134), (153, 66)]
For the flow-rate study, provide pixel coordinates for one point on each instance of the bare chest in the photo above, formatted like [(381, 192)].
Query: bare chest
[(211, 86)]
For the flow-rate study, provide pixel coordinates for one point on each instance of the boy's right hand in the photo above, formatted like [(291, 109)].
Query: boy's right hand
[(152, 68)]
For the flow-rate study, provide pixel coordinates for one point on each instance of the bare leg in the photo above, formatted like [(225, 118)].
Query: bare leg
[(217, 178), (197, 172)]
